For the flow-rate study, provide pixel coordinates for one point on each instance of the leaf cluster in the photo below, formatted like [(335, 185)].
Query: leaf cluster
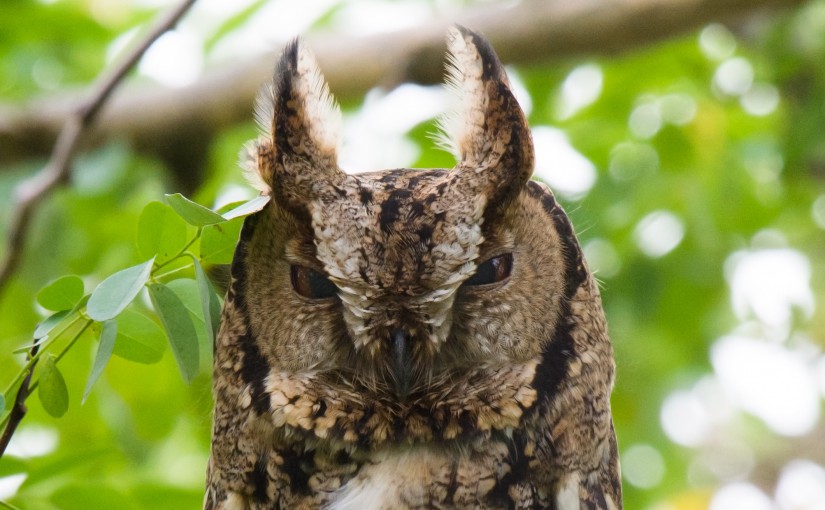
[(177, 238)]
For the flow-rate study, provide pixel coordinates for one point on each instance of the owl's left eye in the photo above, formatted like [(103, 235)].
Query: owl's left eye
[(493, 270), (311, 284)]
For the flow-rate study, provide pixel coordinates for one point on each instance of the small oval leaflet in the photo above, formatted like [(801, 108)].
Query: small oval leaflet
[(139, 338), (52, 388), (194, 213), (104, 353), (46, 325), (61, 294), (179, 328), (189, 294), (209, 302), (247, 208), (161, 232), (218, 241), (117, 291)]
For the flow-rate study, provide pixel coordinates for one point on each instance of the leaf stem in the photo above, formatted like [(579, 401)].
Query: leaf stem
[(28, 369), (30, 362), (65, 350), (182, 252), (161, 276)]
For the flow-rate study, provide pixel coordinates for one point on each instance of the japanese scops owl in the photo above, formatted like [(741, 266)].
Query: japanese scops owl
[(409, 338)]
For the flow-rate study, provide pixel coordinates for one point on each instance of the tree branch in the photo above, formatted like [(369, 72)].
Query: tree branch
[(170, 121), (80, 118), (177, 124), (783, 450)]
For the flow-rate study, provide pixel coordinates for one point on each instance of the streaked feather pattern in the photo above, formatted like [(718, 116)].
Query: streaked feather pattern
[(462, 358)]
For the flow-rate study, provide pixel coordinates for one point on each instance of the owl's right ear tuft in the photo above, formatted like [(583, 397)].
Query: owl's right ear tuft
[(301, 124), (488, 131)]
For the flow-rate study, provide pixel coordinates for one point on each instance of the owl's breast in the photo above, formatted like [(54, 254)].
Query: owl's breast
[(328, 410), (428, 477)]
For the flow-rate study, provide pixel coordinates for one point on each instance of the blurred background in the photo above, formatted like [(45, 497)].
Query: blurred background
[(685, 138)]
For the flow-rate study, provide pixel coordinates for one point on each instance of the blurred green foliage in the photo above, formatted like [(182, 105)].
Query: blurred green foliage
[(664, 135)]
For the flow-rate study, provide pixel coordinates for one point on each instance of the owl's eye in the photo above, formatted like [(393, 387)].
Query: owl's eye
[(310, 283), (493, 270)]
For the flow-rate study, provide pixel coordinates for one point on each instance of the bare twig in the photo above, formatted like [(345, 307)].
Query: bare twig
[(18, 410), (32, 191)]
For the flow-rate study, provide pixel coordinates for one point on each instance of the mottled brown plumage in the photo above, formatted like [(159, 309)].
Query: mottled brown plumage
[(409, 338)]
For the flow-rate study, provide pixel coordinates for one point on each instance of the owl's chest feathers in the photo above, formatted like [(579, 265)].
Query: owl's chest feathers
[(446, 447), (323, 408), (424, 477)]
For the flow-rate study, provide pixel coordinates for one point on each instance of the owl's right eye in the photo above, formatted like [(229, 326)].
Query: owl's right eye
[(310, 283)]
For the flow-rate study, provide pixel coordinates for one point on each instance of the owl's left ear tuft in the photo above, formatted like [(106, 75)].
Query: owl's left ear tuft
[(301, 125)]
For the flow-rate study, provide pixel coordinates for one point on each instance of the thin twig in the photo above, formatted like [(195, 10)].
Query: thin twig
[(18, 410), (29, 193)]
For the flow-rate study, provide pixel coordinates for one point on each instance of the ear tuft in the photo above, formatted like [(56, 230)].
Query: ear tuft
[(302, 102), (300, 122), (265, 109), (256, 175), (487, 132), (471, 62)]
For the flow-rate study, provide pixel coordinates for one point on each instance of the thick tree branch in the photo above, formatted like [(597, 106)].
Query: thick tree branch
[(78, 120), (175, 123), (768, 469)]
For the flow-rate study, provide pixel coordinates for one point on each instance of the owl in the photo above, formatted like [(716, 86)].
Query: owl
[(409, 339)]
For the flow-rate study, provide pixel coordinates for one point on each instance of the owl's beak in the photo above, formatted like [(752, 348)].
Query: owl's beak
[(400, 342)]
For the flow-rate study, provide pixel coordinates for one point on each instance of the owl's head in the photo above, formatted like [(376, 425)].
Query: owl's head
[(405, 303)]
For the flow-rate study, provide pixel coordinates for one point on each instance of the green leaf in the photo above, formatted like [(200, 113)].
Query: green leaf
[(179, 328), (61, 294), (139, 338), (104, 352), (247, 208), (46, 325), (189, 294), (209, 303), (117, 291), (218, 241), (161, 232), (215, 307), (194, 213), (188, 291), (2, 405), (52, 388)]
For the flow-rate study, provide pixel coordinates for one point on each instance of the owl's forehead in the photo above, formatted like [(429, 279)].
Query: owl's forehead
[(400, 187), (402, 231)]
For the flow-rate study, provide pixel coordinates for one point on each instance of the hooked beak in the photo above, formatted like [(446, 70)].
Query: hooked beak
[(400, 344)]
